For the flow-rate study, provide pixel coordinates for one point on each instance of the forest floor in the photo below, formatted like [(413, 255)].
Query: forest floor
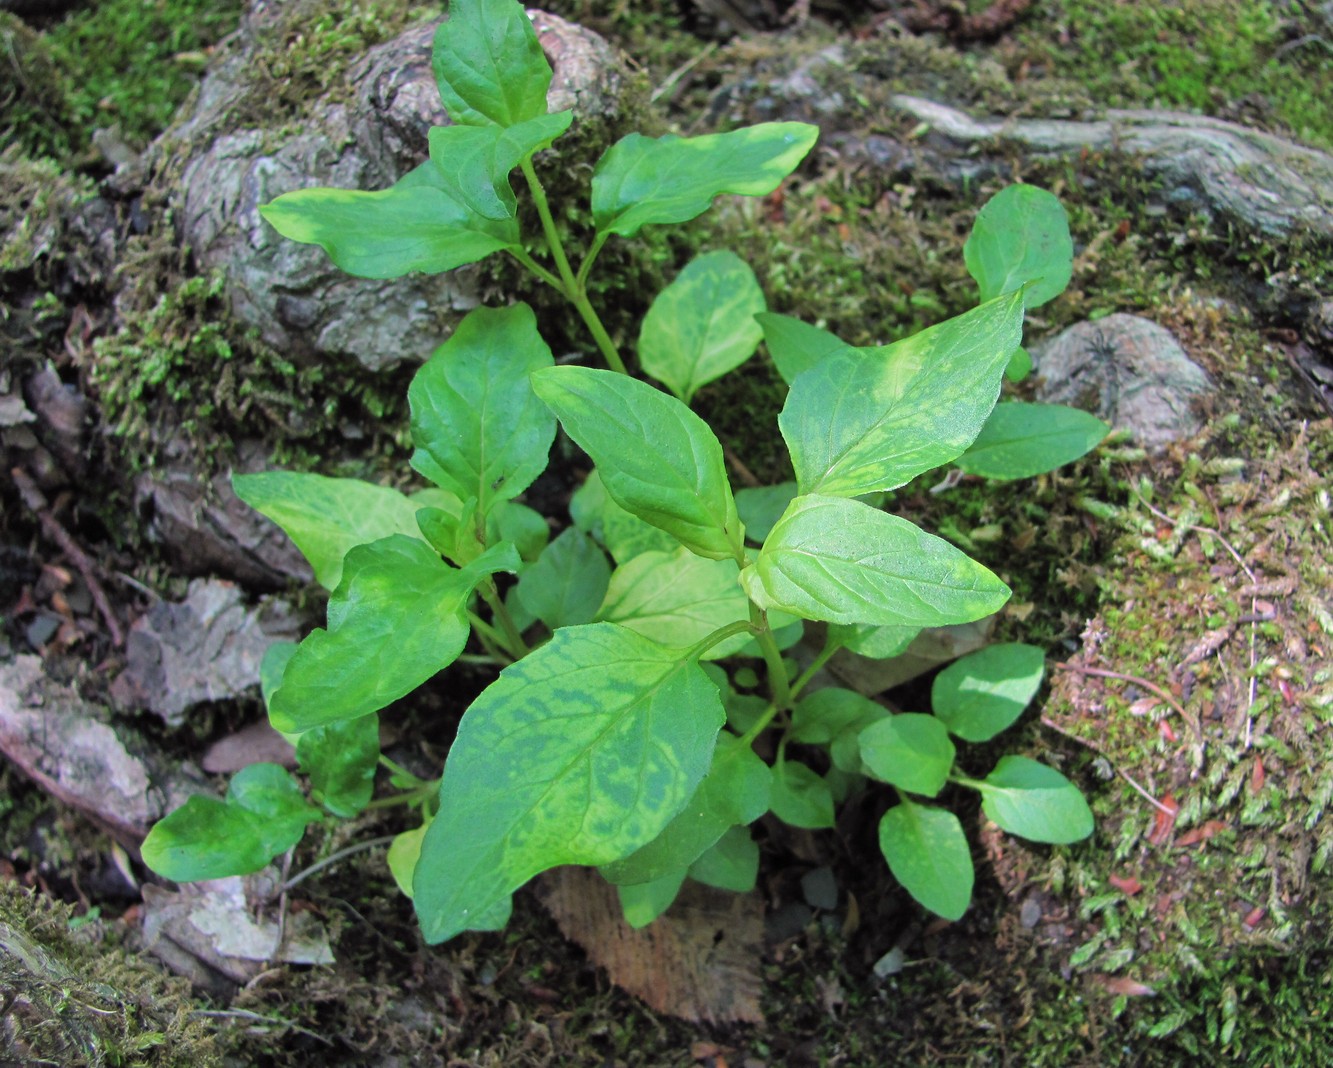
[(1186, 594)]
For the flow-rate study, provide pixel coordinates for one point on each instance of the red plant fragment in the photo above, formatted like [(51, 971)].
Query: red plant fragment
[(1123, 986), (1164, 729), (1126, 884), (1257, 776), (1164, 822), (1254, 917), (1203, 833)]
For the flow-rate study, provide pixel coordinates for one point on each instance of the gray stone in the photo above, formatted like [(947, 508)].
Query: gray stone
[(205, 529), (1129, 371), (69, 747), (205, 648), (365, 134)]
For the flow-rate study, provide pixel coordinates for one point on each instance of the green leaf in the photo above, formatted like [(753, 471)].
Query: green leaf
[(269, 792), (581, 753), (525, 527), (404, 852), (979, 695), (623, 534), (479, 429), (678, 599), (474, 161), (823, 715), (731, 864), (205, 839), (655, 457), (325, 517), (874, 643), (642, 903), (414, 225), (844, 562), (796, 346), (264, 815), (929, 855), (910, 751), (397, 617), (702, 325), (762, 506), (566, 585), (873, 419), (734, 792), (1021, 236), (1020, 365), (341, 759), (489, 64), (1035, 802), (1021, 440), (276, 658), (800, 797), (670, 179)]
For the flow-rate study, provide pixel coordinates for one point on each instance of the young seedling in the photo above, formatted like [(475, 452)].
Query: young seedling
[(619, 730)]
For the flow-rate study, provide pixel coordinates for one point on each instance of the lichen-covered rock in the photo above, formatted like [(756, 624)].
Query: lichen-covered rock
[(205, 648), (68, 746), (364, 134), (205, 529), (1129, 371)]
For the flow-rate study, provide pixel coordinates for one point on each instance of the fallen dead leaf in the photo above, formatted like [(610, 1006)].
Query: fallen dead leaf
[(1164, 822), (1126, 884), (1123, 986), (700, 961), (1203, 833)]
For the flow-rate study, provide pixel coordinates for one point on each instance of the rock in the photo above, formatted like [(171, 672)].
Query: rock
[(209, 931), (205, 648), (205, 529), (1265, 183), (68, 747), (365, 134), (1129, 371)]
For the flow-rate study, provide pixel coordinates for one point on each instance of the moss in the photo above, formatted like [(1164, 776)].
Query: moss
[(75, 998), (119, 63), (1249, 61)]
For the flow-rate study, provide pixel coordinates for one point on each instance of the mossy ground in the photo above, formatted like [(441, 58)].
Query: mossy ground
[(1229, 931)]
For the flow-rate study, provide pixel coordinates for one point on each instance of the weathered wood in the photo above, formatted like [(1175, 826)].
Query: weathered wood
[(1264, 182)]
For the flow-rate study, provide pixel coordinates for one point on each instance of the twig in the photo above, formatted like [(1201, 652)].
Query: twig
[(32, 497), (245, 1014), (742, 472), (1102, 673), (342, 854), (1118, 770), (676, 75)]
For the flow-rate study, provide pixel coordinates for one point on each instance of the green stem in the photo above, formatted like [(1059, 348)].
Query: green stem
[(402, 773), (569, 284), (410, 797), (831, 646), (513, 642), (585, 268), (491, 639), (759, 726), (537, 269), (720, 635), (778, 685)]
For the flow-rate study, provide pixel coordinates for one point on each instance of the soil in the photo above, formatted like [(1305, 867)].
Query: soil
[(1184, 593)]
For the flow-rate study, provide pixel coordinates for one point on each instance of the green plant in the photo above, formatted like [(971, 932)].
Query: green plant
[(614, 735)]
